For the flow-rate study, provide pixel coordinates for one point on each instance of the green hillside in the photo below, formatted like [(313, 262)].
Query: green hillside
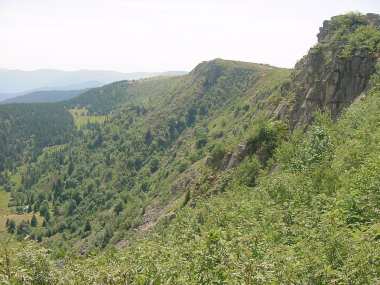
[(130, 164), (312, 220), (236, 173), (25, 129)]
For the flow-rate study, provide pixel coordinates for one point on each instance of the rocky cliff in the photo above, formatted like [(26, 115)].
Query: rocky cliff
[(336, 70)]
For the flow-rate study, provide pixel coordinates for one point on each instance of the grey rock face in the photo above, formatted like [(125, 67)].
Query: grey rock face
[(324, 80), (233, 159), (330, 88)]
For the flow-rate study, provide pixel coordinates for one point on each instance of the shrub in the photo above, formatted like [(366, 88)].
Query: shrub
[(216, 155), (154, 165), (266, 139), (248, 171), (182, 166)]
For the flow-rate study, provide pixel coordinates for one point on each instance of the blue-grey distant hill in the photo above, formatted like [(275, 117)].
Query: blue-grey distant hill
[(14, 83), (45, 96)]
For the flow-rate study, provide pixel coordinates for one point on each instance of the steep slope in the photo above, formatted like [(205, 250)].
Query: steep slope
[(25, 129), (135, 167), (194, 180), (313, 220)]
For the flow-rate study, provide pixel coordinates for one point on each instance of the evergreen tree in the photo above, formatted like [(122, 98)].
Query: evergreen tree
[(44, 210), (87, 226), (33, 221), (119, 208)]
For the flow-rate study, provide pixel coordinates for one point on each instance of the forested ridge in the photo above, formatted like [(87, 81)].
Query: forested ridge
[(140, 152), (236, 173)]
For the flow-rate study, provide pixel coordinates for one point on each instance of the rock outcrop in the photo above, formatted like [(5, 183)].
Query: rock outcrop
[(232, 159), (329, 79)]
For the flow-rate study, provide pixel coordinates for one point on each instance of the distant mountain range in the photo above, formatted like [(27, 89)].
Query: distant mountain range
[(45, 96), (18, 83)]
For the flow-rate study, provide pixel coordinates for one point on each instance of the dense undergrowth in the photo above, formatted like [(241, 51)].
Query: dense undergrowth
[(313, 218), (195, 180)]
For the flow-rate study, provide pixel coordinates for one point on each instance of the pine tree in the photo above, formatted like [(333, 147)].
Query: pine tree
[(33, 221)]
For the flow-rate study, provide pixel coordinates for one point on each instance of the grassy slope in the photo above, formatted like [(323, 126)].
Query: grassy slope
[(82, 118), (7, 212), (4, 198)]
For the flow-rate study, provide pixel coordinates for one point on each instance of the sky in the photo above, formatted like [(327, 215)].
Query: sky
[(161, 35)]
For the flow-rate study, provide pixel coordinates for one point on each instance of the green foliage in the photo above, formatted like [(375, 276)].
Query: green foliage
[(25, 129), (201, 138), (23, 229), (154, 165), (317, 148), (29, 266), (182, 166), (87, 226), (364, 38), (216, 155), (138, 155), (11, 226), (266, 139), (191, 116), (315, 224), (348, 35), (100, 101), (119, 207), (300, 208), (82, 118), (248, 171), (44, 210)]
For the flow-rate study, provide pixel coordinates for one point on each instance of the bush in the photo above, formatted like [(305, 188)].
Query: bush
[(119, 207), (182, 166), (364, 38), (248, 171), (154, 165), (216, 156), (11, 226), (266, 139)]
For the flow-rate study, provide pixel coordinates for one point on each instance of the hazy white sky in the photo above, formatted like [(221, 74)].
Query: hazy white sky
[(159, 35)]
